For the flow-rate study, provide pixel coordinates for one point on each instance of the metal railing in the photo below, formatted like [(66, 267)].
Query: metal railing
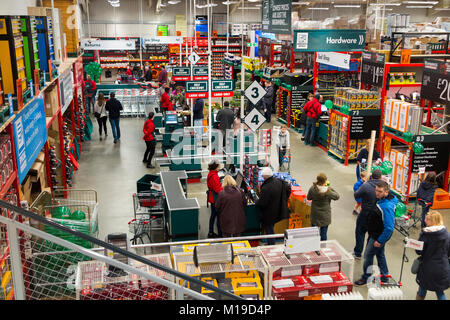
[(37, 265)]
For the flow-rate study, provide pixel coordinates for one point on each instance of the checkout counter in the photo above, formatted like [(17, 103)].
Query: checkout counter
[(181, 213)]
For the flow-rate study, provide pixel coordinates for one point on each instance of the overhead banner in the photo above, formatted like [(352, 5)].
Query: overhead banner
[(88, 44), (276, 16), (335, 59), (436, 81), (30, 135), (200, 73), (329, 40), (265, 15), (372, 68), (219, 88), (181, 73)]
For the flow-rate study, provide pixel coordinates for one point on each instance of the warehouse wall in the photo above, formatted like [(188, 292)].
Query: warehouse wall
[(124, 21), (16, 7)]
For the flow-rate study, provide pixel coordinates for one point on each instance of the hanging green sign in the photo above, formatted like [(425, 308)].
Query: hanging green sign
[(329, 40)]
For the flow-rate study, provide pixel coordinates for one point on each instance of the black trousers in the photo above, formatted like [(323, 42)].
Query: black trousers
[(102, 122), (150, 151)]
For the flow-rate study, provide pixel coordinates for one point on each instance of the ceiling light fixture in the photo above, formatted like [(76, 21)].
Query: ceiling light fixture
[(421, 2), (229, 2), (419, 7), (174, 1), (347, 6), (386, 4), (318, 8), (441, 9)]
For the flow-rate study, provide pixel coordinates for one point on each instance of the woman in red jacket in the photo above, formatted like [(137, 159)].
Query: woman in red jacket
[(166, 105), (150, 141), (214, 187)]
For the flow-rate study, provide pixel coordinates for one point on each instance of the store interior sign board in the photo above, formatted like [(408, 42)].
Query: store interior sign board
[(66, 90), (30, 135), (276, 16), (108, 44), (160, 40), (335, 59), (329, 40), (436, 81), (372, 68)]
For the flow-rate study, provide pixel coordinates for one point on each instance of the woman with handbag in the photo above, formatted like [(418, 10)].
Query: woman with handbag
[(433, 272), (150, 140), (100, 114)]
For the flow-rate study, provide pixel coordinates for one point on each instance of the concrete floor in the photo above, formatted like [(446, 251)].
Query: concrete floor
[(113, 169)]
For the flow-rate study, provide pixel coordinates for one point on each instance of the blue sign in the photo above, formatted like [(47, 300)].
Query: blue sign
[(11, 106), (31, 89), (30, 135)]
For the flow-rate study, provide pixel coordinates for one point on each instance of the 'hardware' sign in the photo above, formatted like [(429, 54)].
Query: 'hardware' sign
[(329, 40)]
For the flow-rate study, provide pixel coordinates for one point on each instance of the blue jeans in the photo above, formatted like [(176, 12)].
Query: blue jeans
[(425, 210), (439, 294), (358, 174), (372, 251), (281, 154), (310, 131), (115, 127), (214, 216), (323, 232), (199, 131), (269, 230), (360, 233), (90, 102)]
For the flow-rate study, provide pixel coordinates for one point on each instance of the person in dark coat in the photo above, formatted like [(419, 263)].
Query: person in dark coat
[(425, 194), (113, 106), (434, 270), (272, 202), (225, 117), (366, 193), (268, 100), (321, 195), (230, 203)]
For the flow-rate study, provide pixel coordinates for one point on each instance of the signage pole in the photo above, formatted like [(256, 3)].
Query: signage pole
[(192, 100), (209, 77), (241, 151), (228, 17)]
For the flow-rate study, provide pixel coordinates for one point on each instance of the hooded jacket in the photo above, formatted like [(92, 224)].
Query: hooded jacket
[(367, 195), (273, 201), (381, 219), (434, 271), (426, 192), (321, 197), (230, 203)]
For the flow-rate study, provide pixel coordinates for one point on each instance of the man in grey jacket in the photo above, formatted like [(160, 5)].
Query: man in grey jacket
[(369, 199)]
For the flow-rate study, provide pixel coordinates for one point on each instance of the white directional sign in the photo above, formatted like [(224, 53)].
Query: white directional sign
[(336, 59), (255, 92), (254, 119), (194, 58)]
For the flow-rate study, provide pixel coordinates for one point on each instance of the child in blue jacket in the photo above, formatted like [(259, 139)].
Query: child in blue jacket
[(359, 183)]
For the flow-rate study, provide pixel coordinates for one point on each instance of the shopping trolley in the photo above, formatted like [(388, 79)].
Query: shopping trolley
[(149, 206), (286, 162)]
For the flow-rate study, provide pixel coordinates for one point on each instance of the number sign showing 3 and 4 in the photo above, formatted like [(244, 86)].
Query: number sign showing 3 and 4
[(254, 119), (255, 92)]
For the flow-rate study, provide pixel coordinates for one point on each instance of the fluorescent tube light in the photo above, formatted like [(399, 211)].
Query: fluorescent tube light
[(421, 2), (174, 1), (419, 7), (318, 8), (347, 6), (386, 4), (441, 9)]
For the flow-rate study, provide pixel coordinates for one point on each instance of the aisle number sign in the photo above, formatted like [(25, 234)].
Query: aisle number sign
[(255, 92), (193, 58), (329, 40), (436, 81), (30, 134), (219, 88), (254, 119)]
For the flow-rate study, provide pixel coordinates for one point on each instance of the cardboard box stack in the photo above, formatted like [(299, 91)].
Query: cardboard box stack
[(403, 116)]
